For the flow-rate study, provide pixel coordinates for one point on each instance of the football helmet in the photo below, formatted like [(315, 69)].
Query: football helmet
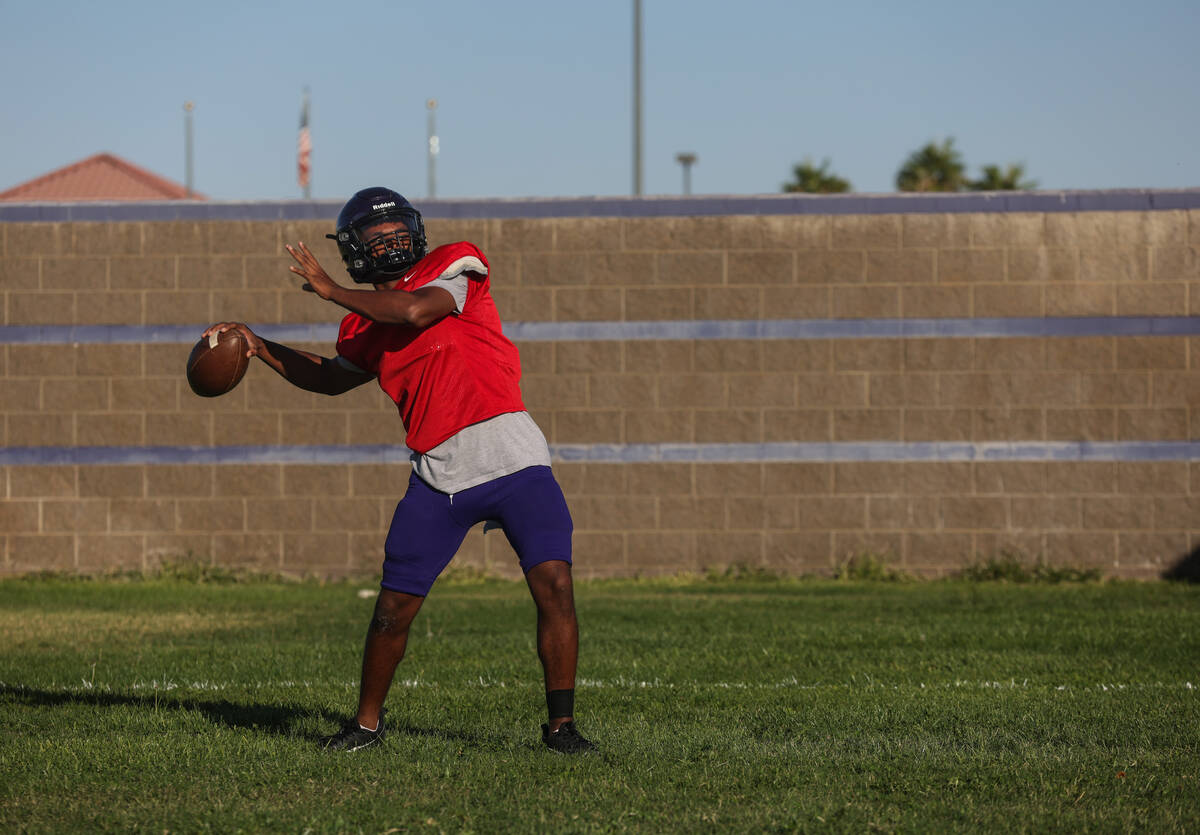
[(374, 256)]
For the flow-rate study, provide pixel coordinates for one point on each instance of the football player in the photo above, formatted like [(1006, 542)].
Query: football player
[(428, 331)]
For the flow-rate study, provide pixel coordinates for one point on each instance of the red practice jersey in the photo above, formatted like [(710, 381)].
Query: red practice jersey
[(458, 371)]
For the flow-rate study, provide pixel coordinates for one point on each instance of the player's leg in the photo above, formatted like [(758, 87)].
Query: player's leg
[(387, 638), (557, 634)]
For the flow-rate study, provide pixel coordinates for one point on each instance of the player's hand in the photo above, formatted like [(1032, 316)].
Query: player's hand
[(314, 275), (252, 339)]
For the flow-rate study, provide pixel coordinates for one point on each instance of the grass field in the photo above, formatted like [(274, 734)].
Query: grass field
[(733, 704)]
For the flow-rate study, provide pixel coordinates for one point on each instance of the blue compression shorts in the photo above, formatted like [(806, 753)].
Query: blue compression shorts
[(429, 526)]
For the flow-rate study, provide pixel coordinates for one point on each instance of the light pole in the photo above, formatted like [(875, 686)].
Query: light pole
[(637, 97), (188, 107), (431, 125), (687, 159)]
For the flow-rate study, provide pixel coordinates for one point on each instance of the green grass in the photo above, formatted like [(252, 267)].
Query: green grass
[(735, 703)]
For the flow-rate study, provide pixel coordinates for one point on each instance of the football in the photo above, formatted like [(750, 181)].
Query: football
[(217, 363)]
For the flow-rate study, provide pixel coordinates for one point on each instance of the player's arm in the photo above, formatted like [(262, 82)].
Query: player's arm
[(420, 309), (300, 368)]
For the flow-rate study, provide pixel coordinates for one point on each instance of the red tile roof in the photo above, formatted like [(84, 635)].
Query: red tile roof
[(101, 177)]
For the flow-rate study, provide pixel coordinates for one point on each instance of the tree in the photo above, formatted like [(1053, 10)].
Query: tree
[(933, 168), (1008, 179), (815, 179)]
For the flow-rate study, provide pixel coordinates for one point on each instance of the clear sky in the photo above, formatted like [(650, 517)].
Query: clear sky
[(535, 96)]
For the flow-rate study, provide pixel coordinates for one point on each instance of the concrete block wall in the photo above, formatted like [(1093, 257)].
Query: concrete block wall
[(721, 383)]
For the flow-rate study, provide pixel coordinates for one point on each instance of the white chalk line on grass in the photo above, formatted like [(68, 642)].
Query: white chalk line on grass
[(619, 683)]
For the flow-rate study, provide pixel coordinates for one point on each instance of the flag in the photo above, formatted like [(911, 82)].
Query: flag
[(304, 148)]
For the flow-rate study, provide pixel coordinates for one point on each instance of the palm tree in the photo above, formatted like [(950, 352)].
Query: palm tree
[(933, 168), (1009, 179), (815, 179)]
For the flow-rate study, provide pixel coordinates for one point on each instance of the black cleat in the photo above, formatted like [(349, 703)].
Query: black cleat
[(566, 740), (354, 737)]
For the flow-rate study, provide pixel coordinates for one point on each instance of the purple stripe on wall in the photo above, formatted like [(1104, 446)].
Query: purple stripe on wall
[(982, 328), (661, 206), (1053, 451)]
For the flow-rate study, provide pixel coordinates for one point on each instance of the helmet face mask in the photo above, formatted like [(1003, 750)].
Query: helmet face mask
[(379, 235)]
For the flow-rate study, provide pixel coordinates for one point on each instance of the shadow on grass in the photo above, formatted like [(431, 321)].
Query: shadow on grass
[(1186, 569), (280, 719)]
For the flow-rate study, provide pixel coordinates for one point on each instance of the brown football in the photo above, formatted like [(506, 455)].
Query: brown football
[(217, 363)]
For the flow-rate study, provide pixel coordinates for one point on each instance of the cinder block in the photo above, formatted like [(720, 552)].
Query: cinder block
[(586, 357), (719, 551), (1174, 263), (790, 425), (1156, 353), (303, 428), (325, 480), (553, 269), (154, 515), (935, 230), (865, 232), (902, 389), (1152, 299), (213, 272), (1156, 228), (1025, 545), (799, 355), (37, 238), (590, 426), (984, 266), (168, 428), (141, 394), (1022, 229), (627, 391), (1082, 550), (905, 266), (887, 545), (1010, 477), (937, 478), (1149, 554), (589, 304), (799, 553), (728, 426), (943, 425), (179, 307), (520, 235), (557, 391), (690, 513), (1118, 513), (868, 355), (1124, 389), (973, 513), (935, 302), (316, 554), (884, 478), (41, 308), (937, 554), (111, 552), (938, 354), (24, 515), (1081, 424), (761, 268), (20, 273), (870, 302), (1156, 424), (109, 430), (797, 302), (617, 269), (174, 547), (738, 355), (785, 231), (350, 514), (179, 480), (262, 551), (244, 237), (60, 515), (1081, 478), (25, 394), (727, 302), (686, 268), (903, 513), (718, 479), (831, 268), (1175, 388), (42, 482), (175, 238), (1087, 230), (528, 305), (599, 554), (257, 307), (41, 552), (1043, 264), (1095, 299), (866, 424), (261, 515), (249, 480), (800, 478), (112, 481), (1011, 354), (386, 481), (655, 303), (990, 300), (1175, 513), (670, 233), (39, 429), (111, 308), (80, 394), (1045, 513), (762, 389), (80, 275), (823, 513), (1114, 265), (623, 513), (1004, 423), (586, 234)]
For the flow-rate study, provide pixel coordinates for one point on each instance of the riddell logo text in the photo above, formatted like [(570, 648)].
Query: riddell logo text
[(384, 205)]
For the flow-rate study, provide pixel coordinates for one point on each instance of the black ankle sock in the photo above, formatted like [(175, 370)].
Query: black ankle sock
[(560, 703)]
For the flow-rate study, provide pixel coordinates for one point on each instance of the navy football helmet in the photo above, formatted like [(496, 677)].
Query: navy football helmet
[(374, 256)]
